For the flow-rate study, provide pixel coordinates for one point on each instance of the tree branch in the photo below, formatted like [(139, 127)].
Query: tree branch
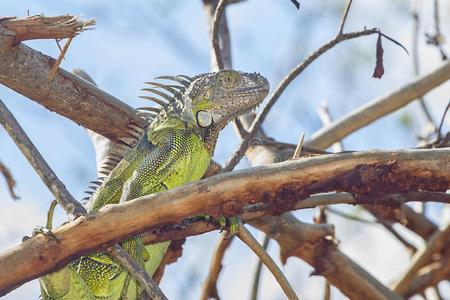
[(378, 108), (416, 63), (26, 71), (65, 199), (34, 157), (431, 276), (258, 270), (217, 53), (320, 251), (257, 122), (282, 184), (246, 237), (439, 240)]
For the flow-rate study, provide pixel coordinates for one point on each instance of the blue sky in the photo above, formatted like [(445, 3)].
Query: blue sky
[(134, 41)]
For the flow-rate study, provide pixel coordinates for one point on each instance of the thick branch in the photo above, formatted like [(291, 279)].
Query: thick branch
[(378, 108), (281, 184), (26, 71)]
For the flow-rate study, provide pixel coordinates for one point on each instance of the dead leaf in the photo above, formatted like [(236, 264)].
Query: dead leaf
[(379, 68)]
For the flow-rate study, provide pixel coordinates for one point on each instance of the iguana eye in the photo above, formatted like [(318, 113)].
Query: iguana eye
[(227, 78), (204, 118)]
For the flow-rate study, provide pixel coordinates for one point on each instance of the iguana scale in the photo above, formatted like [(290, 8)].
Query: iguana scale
[(176, 148)]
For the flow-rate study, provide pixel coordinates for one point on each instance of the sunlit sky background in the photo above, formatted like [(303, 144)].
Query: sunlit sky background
[(134, 41)]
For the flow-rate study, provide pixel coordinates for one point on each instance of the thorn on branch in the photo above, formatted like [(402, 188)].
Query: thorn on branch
[(299, 148)]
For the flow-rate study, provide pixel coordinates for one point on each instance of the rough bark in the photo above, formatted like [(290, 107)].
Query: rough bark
[(280, 185)]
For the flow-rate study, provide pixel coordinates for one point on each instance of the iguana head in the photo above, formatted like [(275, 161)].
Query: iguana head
[(208, 102), (214, 99)]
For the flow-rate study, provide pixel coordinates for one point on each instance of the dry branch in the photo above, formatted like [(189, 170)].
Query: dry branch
[(430, 277), (281, 184), (378, 108), (41, 27), (26, 71), (418, 223), (34, 157), (246, 237), (321, 253), (438, 241), (216, 47), (258, 271)]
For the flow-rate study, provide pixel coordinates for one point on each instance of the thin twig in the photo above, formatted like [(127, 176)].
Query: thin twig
[(349, 216), (321, 217), (412, 249), (215, 33), (209, 289), (245, 236), (54, 69), (10, 182), (344, 18), (72, 207), (416, 63), (34, 157), (257, 277), (437, 38), (442, 120), (141, 276), (58, 45)]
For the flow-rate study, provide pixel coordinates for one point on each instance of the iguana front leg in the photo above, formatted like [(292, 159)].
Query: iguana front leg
[(65, 283)]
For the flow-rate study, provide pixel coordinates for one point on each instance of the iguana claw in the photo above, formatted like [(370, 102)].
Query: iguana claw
[(47, 229), (233, 223)]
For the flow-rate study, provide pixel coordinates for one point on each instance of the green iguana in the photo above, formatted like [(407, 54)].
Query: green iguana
[(176, 148)]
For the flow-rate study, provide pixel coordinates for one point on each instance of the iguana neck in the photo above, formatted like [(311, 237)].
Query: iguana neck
[(157, 132)]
